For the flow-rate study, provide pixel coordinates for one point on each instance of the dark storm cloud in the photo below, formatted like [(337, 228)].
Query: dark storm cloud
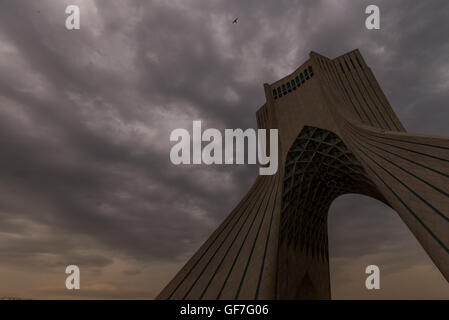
[(85, 116)]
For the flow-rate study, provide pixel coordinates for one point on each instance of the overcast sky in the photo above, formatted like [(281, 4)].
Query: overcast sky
[(85, 119)]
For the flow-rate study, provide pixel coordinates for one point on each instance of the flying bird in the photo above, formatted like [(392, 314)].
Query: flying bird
[(235, 21)]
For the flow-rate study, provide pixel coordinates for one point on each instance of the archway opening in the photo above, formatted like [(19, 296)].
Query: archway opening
[(363, 231)]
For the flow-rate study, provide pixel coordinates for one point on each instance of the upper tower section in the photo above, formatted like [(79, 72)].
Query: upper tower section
[(323, 88)]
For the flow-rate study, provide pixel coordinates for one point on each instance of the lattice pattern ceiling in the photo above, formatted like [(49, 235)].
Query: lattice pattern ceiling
[(319, 168)]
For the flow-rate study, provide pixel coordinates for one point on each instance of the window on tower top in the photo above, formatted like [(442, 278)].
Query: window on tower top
[(293, 84), (289, 87), (306, 74), (284, 89), (311, 71), (275, 93), (302, 77)]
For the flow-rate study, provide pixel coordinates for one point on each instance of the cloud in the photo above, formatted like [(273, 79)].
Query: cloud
[(85, 119)]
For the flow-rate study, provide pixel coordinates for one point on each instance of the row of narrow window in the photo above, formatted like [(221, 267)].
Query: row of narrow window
[(370, 84), (325, 64), (294, 83)]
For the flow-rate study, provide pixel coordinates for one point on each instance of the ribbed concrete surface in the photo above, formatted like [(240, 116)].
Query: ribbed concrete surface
[(273, 245)]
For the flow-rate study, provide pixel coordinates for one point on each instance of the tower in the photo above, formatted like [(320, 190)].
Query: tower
[(337, 134)]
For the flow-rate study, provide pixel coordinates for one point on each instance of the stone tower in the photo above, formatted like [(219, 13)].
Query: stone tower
[(337, 134)]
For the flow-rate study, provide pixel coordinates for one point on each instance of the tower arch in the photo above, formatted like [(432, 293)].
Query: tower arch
[(319, 167), (338, 134)]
